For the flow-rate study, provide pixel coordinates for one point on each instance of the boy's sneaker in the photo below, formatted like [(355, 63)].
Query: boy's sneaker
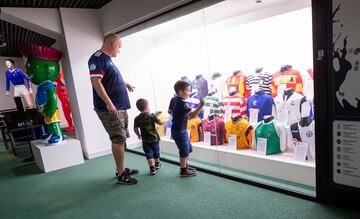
[(125, 179), (187, 173), (153, 171), (191, 168), (129, 171), (157, 165)]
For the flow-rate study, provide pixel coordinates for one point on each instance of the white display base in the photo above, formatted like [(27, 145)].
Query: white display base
[(50, 158), (282, 166)]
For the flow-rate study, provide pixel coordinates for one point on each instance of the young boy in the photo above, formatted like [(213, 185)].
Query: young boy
[(181, 113), (150, 138)]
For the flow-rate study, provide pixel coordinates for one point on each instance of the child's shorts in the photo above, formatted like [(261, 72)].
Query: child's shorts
[(151, 149), (183, 143)]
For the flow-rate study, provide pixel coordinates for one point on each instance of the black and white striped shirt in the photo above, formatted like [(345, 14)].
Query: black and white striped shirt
[(259, 80)]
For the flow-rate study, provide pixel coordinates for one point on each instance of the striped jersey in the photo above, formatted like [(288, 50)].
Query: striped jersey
[(236, 103), (275, 134), (290, 79), (214, 105), (243, 131), (195, 127), (238, 83), (259, 81)]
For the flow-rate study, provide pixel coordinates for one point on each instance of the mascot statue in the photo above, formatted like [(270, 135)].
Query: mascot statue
[(42, 67)]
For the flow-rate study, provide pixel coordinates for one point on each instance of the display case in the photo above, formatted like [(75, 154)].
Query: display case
[(252, 64)]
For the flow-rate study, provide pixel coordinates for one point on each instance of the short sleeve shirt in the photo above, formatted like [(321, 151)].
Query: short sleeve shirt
[(171, 105), (146, 123), (180, 112), (101, 65)]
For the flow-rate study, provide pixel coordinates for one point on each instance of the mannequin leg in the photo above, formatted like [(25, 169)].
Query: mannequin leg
[(28, 100)]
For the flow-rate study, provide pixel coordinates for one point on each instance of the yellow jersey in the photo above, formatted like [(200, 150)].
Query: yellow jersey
[(243, 131), (196, 132), (161, 128)]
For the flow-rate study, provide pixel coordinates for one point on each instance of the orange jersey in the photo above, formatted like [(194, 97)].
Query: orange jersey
[(290, 78), (238, 83), (243, 131)]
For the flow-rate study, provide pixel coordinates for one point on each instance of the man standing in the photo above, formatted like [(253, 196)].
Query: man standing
[(111, 101)]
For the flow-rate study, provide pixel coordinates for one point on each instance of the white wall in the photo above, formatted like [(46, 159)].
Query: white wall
[(119, 14), (264, 42), (83, 36), (138, 73)]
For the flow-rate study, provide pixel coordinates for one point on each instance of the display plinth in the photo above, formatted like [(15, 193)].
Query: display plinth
[(50, 158), (282, 166)]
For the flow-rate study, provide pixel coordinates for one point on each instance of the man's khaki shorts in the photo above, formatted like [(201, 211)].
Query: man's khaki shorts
[(115, 125)]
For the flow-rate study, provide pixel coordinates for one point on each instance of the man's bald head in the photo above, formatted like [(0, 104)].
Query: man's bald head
[(111, 44), (111, 38)]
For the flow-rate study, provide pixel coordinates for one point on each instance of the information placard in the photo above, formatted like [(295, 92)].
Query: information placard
[(261, 146), (346, 153)]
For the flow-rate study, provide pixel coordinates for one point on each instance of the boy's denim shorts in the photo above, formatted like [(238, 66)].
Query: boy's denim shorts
[(152, 150), (182, 142)]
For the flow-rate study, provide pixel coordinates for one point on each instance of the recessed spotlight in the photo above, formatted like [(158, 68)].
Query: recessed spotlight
[(258, 1)]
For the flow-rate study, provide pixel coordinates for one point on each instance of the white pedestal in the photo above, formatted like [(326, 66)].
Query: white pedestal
[(50, 158)]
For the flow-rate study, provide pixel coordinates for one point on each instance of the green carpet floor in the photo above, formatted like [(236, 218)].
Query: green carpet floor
[(271, 181), (90, 191)]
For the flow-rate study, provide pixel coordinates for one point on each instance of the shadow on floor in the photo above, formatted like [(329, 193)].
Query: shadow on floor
[(27, 168)]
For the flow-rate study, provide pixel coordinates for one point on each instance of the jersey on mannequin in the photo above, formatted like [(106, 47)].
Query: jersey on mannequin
[(275, 134), (287, 77), (289, 105), (235, 103), (303, 131), (258, 80), (261, 101), (18, 79), (216, 127), (218, 86), (242, 129), (201, 85), (237, 82)]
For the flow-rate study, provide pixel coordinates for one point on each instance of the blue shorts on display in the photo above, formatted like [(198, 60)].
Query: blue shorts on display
[(183, 143), (151, 149)]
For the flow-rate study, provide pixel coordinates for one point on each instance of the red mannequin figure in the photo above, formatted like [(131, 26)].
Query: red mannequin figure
[(62, 94)]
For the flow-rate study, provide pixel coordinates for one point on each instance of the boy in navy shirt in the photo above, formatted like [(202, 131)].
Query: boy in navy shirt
[(181, 113)]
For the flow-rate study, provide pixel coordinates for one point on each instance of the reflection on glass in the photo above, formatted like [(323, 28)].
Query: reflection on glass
[(253, 68)]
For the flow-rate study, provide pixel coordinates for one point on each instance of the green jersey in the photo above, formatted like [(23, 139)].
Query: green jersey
[(274, 132), (214, 104)]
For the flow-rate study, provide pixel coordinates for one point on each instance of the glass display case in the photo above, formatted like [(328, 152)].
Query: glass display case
[(252, 65)]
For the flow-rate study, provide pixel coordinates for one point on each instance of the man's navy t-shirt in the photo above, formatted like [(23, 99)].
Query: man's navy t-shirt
[(180, 112), (101, 65)]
